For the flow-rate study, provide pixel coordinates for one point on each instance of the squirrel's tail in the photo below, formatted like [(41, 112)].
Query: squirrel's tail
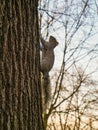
[(46, 90)]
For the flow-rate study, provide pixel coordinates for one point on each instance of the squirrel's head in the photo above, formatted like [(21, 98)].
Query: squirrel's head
[(53, 41)]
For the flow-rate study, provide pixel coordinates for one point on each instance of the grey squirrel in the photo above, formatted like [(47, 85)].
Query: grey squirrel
[(47, 62)]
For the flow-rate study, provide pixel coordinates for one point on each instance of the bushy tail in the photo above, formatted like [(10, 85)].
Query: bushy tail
[(46, 90)]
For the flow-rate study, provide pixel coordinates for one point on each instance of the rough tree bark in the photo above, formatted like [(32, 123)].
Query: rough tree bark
[(20, 91)]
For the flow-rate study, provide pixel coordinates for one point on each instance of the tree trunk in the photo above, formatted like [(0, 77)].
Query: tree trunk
[(20, 91)]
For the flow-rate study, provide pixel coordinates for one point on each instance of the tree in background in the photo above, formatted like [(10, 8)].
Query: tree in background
[(74, 24), (20, 90)]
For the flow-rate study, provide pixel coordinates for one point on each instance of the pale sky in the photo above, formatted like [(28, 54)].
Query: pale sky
[(57, 29)]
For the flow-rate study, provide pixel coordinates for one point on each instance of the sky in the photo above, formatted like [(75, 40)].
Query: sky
[(87, 45), (78, 31)]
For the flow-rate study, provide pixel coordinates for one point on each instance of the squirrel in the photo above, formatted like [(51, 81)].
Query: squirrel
[(47, 62)]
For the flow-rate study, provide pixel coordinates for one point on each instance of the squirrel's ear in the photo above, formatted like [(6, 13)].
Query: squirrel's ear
[(53, 40)]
